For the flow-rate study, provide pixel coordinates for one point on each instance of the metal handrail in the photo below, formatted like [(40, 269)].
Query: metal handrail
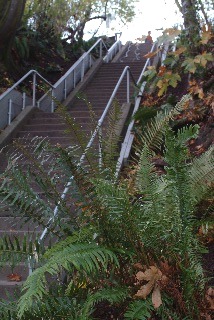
[(126, 71), (129, 136), (21, 80), (12, 95), (84, 63), (99, 41), (58, 91), (112, 51)]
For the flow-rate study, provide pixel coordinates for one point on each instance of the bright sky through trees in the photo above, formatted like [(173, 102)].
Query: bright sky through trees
[(150, 15)]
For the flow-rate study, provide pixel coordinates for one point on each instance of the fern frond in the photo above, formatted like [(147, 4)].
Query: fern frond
[(14, 250), (139, 310), (154, 131), (8, 310), (145, 174), (202, 173), (86, 258), (117, 217), (111, 137), (112, 295)]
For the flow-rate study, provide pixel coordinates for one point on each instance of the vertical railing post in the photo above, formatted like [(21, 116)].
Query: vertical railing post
[(82, 69), (128, 85), (52, 100), (10, 111), (74, 78), (23, 100), (65, 89), (101, 49), (100, 145), (34, 89)]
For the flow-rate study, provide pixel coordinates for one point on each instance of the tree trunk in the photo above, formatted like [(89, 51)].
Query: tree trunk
[(11, 12), (191, 22)]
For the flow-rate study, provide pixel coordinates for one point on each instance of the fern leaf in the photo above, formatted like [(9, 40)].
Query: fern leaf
[(14, 250), (154, 131), (139, 310), (202, 173), (114, 295), (87, 258)]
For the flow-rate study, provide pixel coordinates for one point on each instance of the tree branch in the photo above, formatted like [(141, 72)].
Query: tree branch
[(178, 5)]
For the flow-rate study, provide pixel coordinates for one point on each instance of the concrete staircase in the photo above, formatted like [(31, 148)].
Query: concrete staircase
[(51, 125)]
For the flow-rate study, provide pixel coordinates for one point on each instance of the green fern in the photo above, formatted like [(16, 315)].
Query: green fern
[(86, 258), (154, 131), (139, 310), (14, 250), (8, 310), (112, 295), (111, 138)]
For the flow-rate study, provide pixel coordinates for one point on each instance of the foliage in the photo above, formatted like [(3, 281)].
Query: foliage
[(70, 17), (163, 78), (139, 310), (191, 64), (148, 225), (86, 259)]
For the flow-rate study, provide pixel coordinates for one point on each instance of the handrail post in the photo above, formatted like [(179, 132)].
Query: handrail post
[(74, 73), (100, 144), (10, 111), (23, 100), (34, 89), (83, 69), (128, 85), (65, 89), (52, 100), (101, 49)]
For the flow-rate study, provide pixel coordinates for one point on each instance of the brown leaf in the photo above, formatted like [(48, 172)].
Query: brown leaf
[(156, 297), (138, 266), (151, 54), (152, 273), (140, 276), (145, 290), (14, 277), (210, 298)]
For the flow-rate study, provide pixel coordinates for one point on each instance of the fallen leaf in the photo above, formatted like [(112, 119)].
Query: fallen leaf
[(145, 290), (138, 266), (210, 298), (156, 297), (14, 277)]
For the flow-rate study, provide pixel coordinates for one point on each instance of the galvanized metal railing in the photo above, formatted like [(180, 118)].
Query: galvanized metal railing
[(129, 137), (115, 48), (13, 101), (128, 140), (72, 77)]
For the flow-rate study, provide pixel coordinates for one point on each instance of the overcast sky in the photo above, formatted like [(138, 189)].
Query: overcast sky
[(150, 15)]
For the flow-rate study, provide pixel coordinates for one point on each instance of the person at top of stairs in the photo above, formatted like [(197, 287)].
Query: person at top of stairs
[(149, 38)]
